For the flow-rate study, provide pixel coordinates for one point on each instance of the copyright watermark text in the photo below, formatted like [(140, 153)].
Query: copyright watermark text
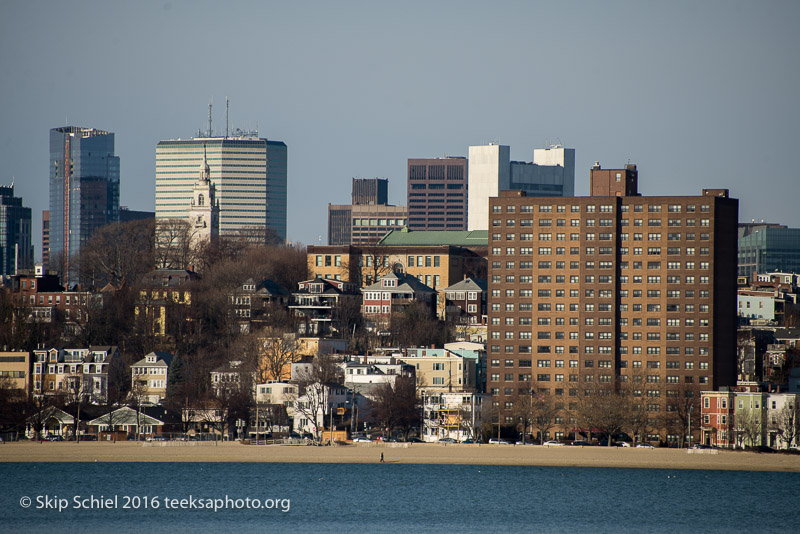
[(155, 502)]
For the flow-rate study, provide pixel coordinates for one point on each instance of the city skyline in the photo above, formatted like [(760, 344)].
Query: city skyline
[(711, 104)]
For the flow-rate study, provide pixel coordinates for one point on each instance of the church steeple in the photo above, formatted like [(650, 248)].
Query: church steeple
[(204, 211), (205, 170)]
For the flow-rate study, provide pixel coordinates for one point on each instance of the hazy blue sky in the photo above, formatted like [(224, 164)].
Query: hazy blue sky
[(698, 94)]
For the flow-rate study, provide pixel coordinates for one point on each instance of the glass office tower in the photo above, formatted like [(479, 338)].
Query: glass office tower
[(84, 192)]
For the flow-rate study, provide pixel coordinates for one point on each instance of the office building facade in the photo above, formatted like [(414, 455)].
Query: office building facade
[(368, 218), (766, 248), (593, 292), (437, 194), (84, 191), (490, 170), (370, 191), (249, 174), (16, 251)]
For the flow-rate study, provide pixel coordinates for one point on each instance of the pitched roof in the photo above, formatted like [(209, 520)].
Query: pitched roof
[(163, 359), (468, 284), (125, 416), (405, 283), (406, 237)]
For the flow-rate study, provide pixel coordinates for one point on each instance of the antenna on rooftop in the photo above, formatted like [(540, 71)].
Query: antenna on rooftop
[(227, 111), (209, 116)]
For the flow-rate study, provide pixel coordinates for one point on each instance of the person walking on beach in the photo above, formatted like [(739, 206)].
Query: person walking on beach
[(381, 458)]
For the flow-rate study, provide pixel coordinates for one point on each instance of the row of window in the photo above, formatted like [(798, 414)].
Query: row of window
[(590, 223), (603, 364), (591, 236), (603, 208)]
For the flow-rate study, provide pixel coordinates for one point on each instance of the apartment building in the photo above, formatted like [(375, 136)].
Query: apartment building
[(589, 292)]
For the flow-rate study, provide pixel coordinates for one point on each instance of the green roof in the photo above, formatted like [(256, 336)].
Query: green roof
[(459, 238)]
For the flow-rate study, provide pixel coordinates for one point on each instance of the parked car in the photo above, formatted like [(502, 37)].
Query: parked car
[(553, 443), (468, 441), (447, 440), (495, 441), (623, 444), (414, 440), (362, 439), (55, 438), (644, 446), (580, 443)]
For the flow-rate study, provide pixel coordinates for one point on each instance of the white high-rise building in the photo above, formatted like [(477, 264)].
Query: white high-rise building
[(249, 176), (551, 174)]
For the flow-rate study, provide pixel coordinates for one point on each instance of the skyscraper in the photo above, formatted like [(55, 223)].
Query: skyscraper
[(552, 174), (16, 251), (437, 194), (590, 293), (248, 172), (84, 191)]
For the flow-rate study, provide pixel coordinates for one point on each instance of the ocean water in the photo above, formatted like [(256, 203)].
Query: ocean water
[(335, 498)]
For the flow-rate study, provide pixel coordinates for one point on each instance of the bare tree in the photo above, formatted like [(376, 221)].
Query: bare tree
[(117, 253), (395, 406), (173, 244), (278, 352), (137, 396), (314, 383), (786, 423), (747, 426), (685, 404), (603, 407), (373, 265), (416, 327), (39, 407), (77, 392)]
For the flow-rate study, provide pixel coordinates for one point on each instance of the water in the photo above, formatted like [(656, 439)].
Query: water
[(384, 497)]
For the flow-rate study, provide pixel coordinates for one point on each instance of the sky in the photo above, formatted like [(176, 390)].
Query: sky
[(697, 94)]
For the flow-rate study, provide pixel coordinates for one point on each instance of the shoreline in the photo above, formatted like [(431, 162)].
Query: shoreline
[(493, 455)]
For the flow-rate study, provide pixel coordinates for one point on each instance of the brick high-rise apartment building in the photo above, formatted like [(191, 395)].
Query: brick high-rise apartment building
[(588, 290)]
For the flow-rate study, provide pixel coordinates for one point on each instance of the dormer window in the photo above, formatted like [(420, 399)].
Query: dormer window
[(389, 282)]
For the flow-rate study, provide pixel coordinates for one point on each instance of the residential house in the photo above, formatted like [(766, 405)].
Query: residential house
[(274, 401), (456, 415), (152, 373), (465, 303), (15, 366), (393, 294), (253, 304), (55, 371), (748, 417), (317, 303), (441, 370), (326, 406), (716, 418), (233, 376), (40, 296), (164, 301), (364, 374)]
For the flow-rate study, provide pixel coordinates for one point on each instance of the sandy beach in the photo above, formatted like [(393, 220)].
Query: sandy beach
[(401, 454)]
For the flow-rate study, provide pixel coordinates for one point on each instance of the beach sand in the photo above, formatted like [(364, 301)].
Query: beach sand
[(400, 454)]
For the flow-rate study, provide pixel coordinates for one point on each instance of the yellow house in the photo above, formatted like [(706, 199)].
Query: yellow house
[(164, 292)]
